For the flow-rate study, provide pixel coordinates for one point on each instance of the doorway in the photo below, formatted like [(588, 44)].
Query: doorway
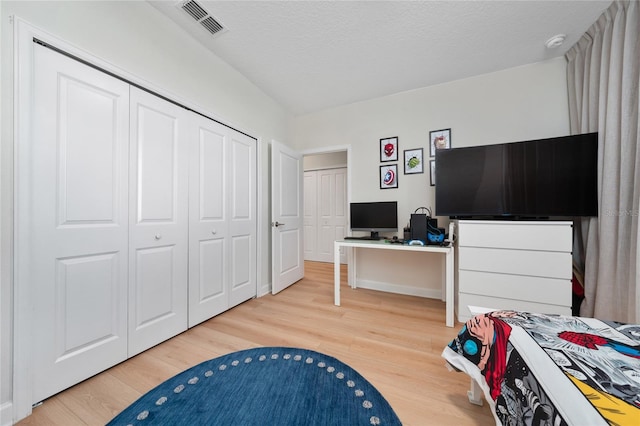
[(326, 202)]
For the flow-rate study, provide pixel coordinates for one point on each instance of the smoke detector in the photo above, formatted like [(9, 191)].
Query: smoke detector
[(201, 16), (555, 41)]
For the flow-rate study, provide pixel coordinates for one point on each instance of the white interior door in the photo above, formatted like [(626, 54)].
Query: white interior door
[(222, 224), (310, 215), (77, 220), (158, 192), (286, 216), (325, 212)]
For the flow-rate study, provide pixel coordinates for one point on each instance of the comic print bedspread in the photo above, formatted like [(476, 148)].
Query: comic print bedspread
[(539, 369)]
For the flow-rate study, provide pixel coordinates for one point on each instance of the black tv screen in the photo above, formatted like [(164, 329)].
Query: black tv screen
[(374, 216), (542, 178)]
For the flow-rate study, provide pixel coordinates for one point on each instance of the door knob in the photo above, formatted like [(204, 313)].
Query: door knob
[(276, 224)]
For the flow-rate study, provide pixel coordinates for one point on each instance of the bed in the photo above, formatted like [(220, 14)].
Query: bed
[(536, 369)]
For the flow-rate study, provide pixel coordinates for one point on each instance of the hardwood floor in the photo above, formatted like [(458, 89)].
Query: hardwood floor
[(394, 341)]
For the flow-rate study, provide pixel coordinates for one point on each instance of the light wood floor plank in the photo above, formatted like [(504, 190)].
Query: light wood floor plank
[(394, 341)]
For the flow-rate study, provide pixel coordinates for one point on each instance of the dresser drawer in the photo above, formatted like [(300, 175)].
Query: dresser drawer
[(516, 262), (533, 289), (549, 236), (493, 303)]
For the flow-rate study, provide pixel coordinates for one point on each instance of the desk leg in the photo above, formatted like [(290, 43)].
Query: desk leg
[(336, 274), (445, 274), (449, 302), (352, 268)]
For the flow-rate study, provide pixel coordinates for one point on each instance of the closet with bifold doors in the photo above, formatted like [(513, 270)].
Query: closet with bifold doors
[(136, 220)]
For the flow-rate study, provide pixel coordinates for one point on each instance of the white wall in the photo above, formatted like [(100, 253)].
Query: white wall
[(325, 161), (527, 102), (136, 38)]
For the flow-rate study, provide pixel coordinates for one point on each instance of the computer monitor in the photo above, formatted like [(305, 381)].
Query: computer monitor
[(374, 217)]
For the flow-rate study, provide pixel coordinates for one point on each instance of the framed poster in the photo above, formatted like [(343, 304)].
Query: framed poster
[(389, 176), (439, 139), (389, 149), (432, 172), (413, 162)]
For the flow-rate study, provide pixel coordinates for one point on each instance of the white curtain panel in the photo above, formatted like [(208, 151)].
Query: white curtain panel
[(603, 73)]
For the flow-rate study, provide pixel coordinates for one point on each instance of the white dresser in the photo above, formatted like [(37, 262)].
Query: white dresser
[(519, 265)]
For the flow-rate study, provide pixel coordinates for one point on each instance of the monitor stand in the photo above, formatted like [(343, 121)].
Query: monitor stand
[(374, 236)]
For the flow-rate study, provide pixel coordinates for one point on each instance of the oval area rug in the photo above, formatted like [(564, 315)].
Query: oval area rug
[(263, 386)]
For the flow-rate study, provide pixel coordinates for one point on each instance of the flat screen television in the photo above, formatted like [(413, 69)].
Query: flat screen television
[(374, 217), (537, 179)]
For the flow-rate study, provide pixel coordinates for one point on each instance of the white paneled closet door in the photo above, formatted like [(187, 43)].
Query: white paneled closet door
[(75, 225), (332, 211), (208, 233), (325, 209), (310, 209), (242, 213), (222, 220), (158, 194)]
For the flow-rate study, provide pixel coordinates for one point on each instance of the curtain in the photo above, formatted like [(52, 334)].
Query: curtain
[(604, 84)]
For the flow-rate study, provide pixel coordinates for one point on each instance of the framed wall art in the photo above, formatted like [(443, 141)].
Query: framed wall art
[(439, 139), (389, 149), (432, 172), (389, 176), (413, 162)]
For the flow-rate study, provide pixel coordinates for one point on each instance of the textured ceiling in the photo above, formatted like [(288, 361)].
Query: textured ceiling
[(312, 55)]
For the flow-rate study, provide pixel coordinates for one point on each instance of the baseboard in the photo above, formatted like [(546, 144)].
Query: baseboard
[(6, 414), (400, 289), (263, 290)]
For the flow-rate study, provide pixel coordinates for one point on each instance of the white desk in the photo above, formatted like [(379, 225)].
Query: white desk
[(447, 279)]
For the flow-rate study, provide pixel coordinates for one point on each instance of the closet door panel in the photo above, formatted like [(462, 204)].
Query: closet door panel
[(211, 271), (340, 208), (211, 179), (73, 172), (242, 220), (154, 280), (157, 145), (242, 268), (310, 215), (208, 235), (326, 207), (243, 165), (159, 220)]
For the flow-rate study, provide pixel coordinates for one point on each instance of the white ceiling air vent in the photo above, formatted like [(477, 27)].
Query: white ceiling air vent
[(203, 17)]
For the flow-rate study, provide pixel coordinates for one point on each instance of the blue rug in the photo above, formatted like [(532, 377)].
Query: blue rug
[(263, 386)]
